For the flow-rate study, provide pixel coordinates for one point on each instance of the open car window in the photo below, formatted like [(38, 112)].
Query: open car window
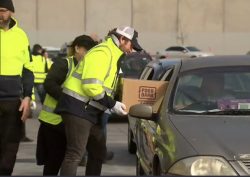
[(147, 73), (167, 75)]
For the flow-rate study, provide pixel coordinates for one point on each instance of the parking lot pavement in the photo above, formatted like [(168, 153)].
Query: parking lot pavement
[(123, 163)]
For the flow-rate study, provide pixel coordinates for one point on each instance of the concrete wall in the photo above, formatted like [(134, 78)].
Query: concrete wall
[(219, 26)]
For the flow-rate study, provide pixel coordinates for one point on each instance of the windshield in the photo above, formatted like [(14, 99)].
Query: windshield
[(213, 90)]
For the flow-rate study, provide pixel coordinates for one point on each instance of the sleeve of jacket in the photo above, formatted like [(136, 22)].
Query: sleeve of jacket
[(95, 67), (27, 74), (55, 78)]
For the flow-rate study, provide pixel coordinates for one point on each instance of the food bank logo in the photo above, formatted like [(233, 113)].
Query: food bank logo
[(148, 93)]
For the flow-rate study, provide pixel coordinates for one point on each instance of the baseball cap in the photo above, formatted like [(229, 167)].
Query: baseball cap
[(131, 34)]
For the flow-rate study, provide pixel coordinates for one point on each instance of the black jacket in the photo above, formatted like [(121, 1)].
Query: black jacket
[(55, 77)]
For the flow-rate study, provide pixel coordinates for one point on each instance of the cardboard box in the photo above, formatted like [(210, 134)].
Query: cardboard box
[(136, 91)]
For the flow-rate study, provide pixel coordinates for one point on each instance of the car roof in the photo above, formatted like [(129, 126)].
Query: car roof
[(163, 62), (202, 62), (183, 46), (215, 61)]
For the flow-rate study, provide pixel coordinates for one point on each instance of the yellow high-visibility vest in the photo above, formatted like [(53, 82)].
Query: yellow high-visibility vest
[(47, 113), (95, 74), (39, 68)]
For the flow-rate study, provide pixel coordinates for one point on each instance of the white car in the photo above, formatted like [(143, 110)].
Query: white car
[(183, 52)]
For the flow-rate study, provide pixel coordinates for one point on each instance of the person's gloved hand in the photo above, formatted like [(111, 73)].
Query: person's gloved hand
[(119, 109)]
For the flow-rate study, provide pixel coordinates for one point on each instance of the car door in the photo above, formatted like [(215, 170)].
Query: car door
[(135, 124), (147, 129)]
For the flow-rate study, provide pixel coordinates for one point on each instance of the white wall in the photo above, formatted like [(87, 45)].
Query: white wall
[(220, 26)]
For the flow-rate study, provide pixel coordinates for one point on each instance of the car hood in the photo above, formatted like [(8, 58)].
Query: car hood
[(216, 135)]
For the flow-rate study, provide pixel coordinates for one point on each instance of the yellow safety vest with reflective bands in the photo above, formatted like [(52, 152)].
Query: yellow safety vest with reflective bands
[(95, 74), (40, 68), (47, 113)]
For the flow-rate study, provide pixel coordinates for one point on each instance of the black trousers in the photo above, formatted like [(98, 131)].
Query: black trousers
[(51, 146), (10, 134)]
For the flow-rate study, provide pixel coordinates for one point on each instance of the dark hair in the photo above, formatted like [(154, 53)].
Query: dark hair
[(84, 41), (112, 31), (36, 48), (43, 51)]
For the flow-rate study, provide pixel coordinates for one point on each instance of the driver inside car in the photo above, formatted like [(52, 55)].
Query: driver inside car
[(204, 97)]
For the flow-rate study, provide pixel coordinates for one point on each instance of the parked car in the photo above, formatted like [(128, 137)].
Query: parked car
[(153, 71), (183, 52), (52, 51), (203, 125)]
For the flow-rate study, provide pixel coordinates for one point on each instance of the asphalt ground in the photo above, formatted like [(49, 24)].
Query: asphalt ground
[(123, 163)]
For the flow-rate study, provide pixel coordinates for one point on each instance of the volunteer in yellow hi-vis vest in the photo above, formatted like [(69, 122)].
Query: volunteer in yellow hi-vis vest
[(16, 82), (87, 93), (51, 141), (40, 70)]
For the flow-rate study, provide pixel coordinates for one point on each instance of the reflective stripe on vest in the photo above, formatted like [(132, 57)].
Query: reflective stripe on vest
[(47, 113), (48, 109), (75, 95), (76, 92), (92, 81), (97, 105)]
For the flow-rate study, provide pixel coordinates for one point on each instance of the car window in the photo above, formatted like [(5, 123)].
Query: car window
[(147, 74), (144, 72), (193, 49), (213, 89), (237, 82), (167, 75), (191, 80), (179, 49)]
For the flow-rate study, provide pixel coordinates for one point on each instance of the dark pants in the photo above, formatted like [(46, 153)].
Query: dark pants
[(51, 146), (40, 91), (10, 134), (81, 135), (104, 121)]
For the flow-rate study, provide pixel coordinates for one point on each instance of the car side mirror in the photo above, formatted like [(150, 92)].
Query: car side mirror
[(142, 111), (184, 51)]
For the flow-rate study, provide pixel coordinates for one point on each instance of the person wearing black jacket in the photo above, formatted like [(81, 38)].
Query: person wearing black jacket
[(16, 83), (51, 141)]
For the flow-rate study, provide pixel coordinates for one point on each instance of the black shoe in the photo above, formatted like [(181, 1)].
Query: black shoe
[(26, 139), (109, 156)]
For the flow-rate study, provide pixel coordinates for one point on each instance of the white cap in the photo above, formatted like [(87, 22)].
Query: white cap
[(126, 31), (131, 34)]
